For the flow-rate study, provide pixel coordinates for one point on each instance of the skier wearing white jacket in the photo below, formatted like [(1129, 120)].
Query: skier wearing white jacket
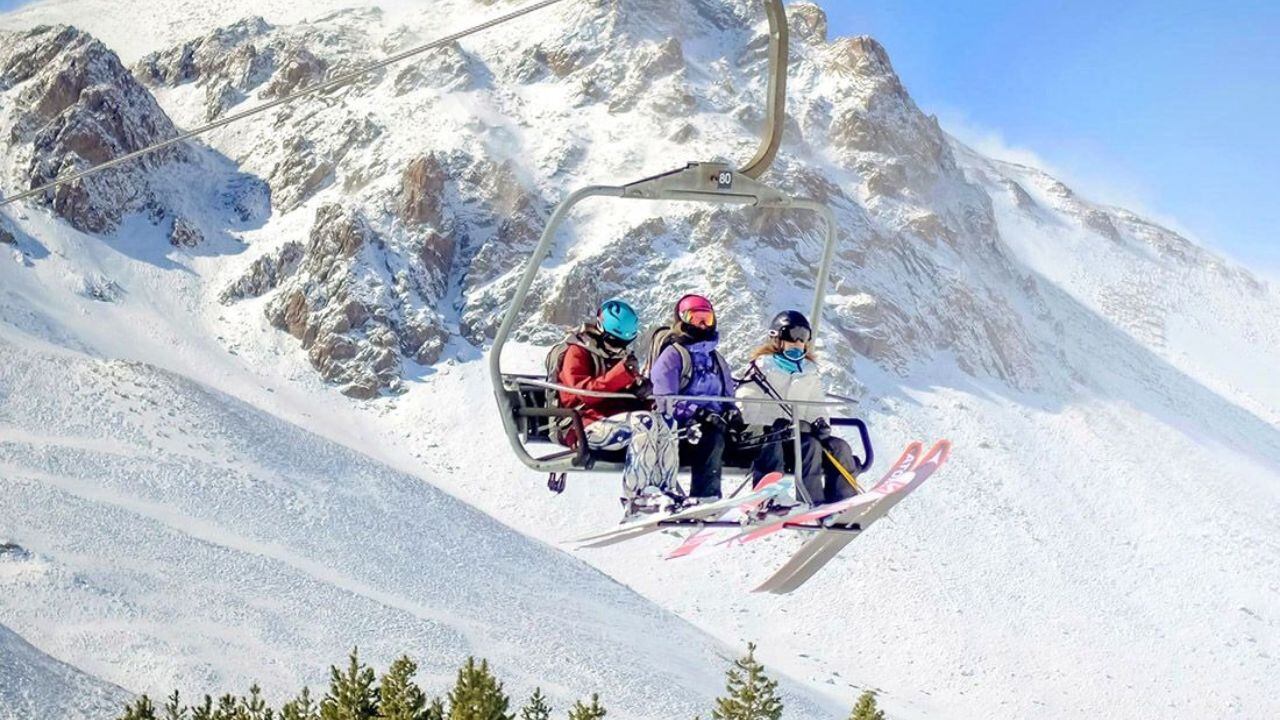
[(784, 367)]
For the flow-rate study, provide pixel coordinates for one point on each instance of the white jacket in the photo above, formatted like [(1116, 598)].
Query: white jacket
[(804, 385)]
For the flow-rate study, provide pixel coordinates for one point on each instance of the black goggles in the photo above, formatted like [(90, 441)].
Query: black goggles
[(794, 334)]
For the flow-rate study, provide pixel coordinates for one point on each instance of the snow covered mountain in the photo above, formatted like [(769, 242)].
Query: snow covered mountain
[(1103, 542)]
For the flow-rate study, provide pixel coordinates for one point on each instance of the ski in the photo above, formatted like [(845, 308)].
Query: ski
[(905, 463), (689, 516), (820, 550), (738, 516)]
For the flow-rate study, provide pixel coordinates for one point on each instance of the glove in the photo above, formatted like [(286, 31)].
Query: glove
[(780, 425), (643, 388), (632, 364), (821, 429), (738, 433), (704, 416)]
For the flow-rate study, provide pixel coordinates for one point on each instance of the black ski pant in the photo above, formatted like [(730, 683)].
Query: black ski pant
[(778, 455), (705, 460), (823, 481)]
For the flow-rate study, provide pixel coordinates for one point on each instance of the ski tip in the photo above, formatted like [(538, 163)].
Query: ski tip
[(939, 453)]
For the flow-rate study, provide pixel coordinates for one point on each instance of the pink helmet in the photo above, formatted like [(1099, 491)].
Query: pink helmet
[(697, 311), (693, 302)]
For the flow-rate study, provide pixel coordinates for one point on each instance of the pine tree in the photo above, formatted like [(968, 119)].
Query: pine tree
[(401, 698), (203, 711), (752, 694), (173, 709), (300, 708), (593, 711), (352, 695), (436, 710), (254, 707), (866, 708), (227, 708), (141, 709), (477, 695), (537, 707)]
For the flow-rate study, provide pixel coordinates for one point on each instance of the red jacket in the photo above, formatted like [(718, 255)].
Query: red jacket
[(577, 370)]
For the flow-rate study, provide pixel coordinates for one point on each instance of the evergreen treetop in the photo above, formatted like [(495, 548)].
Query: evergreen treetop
[(536, 708), (588, 711), (752, 694), (477, 695), (301, 707), (866, 709), (401, 698), (353, 694)]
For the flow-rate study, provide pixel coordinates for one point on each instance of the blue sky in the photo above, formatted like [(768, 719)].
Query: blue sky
[(1167, 107)]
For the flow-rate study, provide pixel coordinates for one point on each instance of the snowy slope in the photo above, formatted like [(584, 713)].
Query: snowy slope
[(32, 679), (1103, 542), (180, 531)]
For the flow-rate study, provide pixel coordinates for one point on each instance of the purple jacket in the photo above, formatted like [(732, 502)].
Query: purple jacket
[(711, 376)]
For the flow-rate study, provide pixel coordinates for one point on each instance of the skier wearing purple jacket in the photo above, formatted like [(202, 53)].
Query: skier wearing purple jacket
[(684, 361)]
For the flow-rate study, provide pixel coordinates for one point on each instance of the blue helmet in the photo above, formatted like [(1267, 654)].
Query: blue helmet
[(619, 319)]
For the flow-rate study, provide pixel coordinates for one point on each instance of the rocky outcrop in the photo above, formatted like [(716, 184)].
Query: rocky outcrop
[(357, 324), (185, 233), (76, 106), (228, 63), (265, 274)]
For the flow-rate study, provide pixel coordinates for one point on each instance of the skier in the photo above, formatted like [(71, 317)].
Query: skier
[(684, 361), (597, 357), (784, 367)]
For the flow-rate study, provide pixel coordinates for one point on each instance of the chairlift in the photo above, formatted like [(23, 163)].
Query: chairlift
[(522, 398)]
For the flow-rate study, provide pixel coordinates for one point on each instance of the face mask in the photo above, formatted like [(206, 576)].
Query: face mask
[(614, 343), (794, 354)]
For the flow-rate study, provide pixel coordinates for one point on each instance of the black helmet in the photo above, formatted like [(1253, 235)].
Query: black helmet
[(791, 326)]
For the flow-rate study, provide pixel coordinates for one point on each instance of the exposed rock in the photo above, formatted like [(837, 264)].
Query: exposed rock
[(1100, 223), (808, 22), (448, 68), (101, 288), (665, 59), (297, 70), (355, 328), (7, 237), (265, 274), (185, 233), (77, 106), (299, 174), (422, 191), (684, 134)]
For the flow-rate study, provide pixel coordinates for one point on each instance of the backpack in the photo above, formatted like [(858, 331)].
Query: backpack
[(557, 427), (658, 341)]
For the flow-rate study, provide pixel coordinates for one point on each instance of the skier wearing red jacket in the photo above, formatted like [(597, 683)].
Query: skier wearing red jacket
[(597, 358)]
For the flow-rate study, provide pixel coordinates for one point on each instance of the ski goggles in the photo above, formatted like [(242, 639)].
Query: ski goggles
[(794, 334), (699, 318)]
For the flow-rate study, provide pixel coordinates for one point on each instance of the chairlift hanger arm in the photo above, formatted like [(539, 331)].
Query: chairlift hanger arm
[(776, 101)]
